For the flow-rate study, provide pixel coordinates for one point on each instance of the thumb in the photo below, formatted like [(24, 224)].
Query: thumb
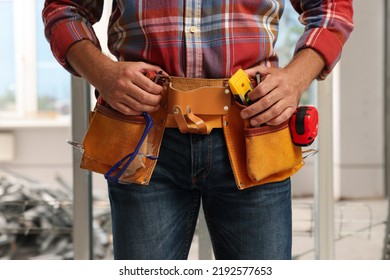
[(262, 69)]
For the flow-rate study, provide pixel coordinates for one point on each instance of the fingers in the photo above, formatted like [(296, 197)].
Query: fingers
[(130, 99), (274, 116), (134, 110), (262, 69), (134, 100), (275, 98), (128, 90), (272, 109)]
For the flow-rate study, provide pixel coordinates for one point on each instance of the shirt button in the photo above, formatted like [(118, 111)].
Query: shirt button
[(193, 29)]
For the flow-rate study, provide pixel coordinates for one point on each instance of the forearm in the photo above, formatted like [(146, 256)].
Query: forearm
[(305, 67), (88, 61)]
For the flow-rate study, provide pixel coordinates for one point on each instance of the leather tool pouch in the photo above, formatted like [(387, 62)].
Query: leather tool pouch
[(112, 135), (259, 155)]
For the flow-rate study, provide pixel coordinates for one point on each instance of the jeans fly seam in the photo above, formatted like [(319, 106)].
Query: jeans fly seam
[(189, 232), (209, 157), (203, 176), (211, 232), (194, 178)]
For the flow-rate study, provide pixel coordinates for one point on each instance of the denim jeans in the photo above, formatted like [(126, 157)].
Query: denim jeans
[(158, 221)]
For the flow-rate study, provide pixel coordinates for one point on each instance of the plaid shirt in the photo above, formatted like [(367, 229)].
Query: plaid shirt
[(190, 38)]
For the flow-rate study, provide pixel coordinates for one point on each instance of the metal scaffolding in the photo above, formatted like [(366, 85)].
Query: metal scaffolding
[(386, 249), (82, 179), (324, 187)]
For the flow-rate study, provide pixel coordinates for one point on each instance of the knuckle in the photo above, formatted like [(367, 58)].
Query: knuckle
[(120, 84), (149, 87), (127, 111), (155, 100), (279, 77), (287, 89), (154, 108), (141, 99), (251, 111), (267, 100), (137, 106), (127, 72)]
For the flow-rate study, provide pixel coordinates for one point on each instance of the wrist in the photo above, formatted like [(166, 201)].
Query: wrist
[(305, 67)]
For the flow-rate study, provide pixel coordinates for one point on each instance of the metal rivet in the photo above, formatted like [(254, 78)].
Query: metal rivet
[(226, 108), (225, 123), (176, 111), (227, 91)]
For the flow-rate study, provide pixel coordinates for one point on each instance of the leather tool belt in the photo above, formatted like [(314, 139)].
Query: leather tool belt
[(258, 155)]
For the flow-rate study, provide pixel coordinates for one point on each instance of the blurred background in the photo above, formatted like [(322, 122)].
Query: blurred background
[(37, 178)]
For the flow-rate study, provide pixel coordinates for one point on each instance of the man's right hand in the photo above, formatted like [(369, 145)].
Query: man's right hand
[(123, 85)]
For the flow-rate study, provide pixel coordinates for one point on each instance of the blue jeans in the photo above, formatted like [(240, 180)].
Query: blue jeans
[(158, 221)]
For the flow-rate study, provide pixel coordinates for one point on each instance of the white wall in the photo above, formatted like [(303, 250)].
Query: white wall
[(362, 105), (359, 111), (41, 153)]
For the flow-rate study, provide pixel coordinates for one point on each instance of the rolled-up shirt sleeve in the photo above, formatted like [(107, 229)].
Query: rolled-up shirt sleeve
[(328, 24), (67, 22)]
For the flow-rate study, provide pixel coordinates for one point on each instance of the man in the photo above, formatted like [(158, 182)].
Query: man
[(198, 39)]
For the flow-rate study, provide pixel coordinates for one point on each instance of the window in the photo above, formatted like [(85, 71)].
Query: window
[(53, 82), (7, 53), (290, 31), (33, 84)]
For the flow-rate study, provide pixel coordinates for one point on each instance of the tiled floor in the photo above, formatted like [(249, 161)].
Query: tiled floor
[(359, 231), (360, 228)]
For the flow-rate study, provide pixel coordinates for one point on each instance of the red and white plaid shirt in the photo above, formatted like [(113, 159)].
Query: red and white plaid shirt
[(190, 38)]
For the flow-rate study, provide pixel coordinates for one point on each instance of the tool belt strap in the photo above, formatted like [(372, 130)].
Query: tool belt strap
[(197, 105)]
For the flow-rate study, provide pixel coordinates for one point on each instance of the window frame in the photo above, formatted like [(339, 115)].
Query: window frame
[(26, 111)]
